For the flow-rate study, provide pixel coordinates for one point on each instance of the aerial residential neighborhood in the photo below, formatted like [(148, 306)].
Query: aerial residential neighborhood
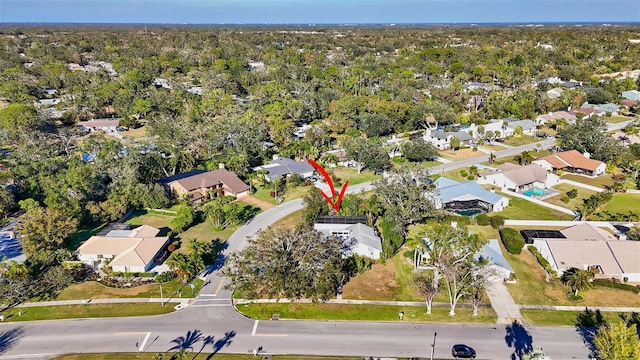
[(280, 181)]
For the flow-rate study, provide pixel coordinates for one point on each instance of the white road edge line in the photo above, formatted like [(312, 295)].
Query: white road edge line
[(144, 342), (255, 328)]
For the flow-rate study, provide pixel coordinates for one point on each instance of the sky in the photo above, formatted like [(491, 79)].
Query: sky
[(318, 11)]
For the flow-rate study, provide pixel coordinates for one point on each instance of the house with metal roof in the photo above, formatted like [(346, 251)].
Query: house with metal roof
[(126, 250), (357, 238), (495, 263), (466, 198), (631, 95), (281, 167), (442, 139), (609, 108)]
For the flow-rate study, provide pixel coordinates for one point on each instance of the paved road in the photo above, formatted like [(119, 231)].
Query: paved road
[(212, 314)]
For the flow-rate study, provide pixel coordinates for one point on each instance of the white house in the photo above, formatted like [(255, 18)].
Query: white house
[(631, 95), (357, 238), (496, 265), (108, 125), (126, 250), (442, 139), (572, 161), (555, 93), (283, 167), (466, 198), (517, 178)]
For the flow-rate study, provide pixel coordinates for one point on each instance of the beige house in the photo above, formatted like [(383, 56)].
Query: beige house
[(199, 184), (572, 161), (585, 246), (126, 250)]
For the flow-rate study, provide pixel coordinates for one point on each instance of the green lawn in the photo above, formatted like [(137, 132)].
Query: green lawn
[(85, 311), (204, 232), (520, 209), (511, 159), (95, 290), (263, 193), (600, 181), (455, 174), (573, 203), (623, 203), (364, 313), (520, 140), (353, 177), (617, 119), (85, 232), (492, 147), (563, 318), (156, 220)]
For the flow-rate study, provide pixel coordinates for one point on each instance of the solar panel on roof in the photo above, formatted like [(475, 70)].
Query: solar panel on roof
[(341, 220), (530, 235)]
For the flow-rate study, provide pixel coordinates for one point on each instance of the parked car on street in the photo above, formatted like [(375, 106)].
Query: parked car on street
[(460, 351)]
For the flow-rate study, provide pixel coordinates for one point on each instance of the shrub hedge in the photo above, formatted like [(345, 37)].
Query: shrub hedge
[(512, 240), (611, 284), (497, 221), (483, 220), (542, 261)]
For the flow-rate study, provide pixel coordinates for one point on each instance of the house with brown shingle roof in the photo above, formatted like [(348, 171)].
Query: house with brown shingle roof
[(199, 184), (126, 250), (585, 246), (572, 161), (518, 178)]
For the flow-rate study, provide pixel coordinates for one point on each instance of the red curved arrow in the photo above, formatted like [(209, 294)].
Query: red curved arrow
[(329, 199)]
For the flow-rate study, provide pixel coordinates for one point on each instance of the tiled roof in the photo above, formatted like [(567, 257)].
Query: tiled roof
[(572, 158), (587, 231), (520, 175), (197, 178), (578, 253)]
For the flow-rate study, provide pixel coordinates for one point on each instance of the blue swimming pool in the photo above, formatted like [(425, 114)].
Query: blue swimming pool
[(535, 192)]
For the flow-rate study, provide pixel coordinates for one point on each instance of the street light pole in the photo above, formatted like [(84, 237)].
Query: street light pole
[(161, 297), (433, 346)]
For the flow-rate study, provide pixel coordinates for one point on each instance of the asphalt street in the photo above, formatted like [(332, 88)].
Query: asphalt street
[(211, 324)]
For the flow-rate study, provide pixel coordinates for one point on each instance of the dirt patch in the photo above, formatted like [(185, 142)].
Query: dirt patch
[(263, 205), (379, 283)]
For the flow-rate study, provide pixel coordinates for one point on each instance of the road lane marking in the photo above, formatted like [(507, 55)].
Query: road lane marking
[(282, 335), (144, 342), (255, 327), (129, 333), (218, 288)]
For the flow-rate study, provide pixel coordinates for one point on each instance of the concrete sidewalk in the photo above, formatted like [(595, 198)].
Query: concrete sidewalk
[(580, 308), (352, 302), (102, 301)]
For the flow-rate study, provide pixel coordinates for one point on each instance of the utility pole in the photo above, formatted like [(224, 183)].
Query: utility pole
[(161, 297), (433, 346)]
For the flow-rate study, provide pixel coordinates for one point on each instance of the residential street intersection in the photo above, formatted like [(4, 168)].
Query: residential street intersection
[(212, 314)]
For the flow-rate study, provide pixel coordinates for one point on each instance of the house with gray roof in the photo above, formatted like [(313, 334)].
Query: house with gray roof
[(281, 167), (466, 198), (442, 139), (198, 185), (518, 178), (497, 266), (610, 108), (358, 238), (631, 95)]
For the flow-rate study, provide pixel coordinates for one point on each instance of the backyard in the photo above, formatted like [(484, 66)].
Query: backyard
[(573, 203), (521, 209), (600, 181), (623, 203), (617, 119)]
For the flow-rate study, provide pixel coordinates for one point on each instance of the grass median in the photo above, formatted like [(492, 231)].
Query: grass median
[(306, 311), (84, 311)]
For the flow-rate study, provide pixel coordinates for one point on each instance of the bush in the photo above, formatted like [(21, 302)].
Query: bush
[(165, 276), (565, 199), (574, 298), (512, 240), (542, 261), (463, 173), (470, 177), (610, 284), (497, 221), (483, 220), (572, 194), (391, 240), (461, 220)]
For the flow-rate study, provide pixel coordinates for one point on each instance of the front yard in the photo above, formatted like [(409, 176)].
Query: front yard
[(323, 311), (460, 154), (85, 311), (617, 119), (95, 290), (353, 177), (520, 140)]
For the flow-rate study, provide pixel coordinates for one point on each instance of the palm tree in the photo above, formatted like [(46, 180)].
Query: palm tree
[(524, 158), (454, 143), (577, 279), (181, 263), (492, 157)]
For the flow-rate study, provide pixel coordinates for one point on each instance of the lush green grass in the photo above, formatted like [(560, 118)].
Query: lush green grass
[(353, 177), (289, 221), (152, 356), (95, 290), (85, 232), (263, 193), (156, 220), (204, 232), (617, 119), (511, 159), (364, 313), (521, 209), (493, 147), (601, 181), (460, 154), (573, 203), (565, 318), (455, 175), (623, 203), (85, 311), (520, 140)]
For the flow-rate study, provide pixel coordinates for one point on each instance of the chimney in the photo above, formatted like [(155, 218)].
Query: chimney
[(569, 108), (587, 155), (276, 156), (221, 166), (454, 224)]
